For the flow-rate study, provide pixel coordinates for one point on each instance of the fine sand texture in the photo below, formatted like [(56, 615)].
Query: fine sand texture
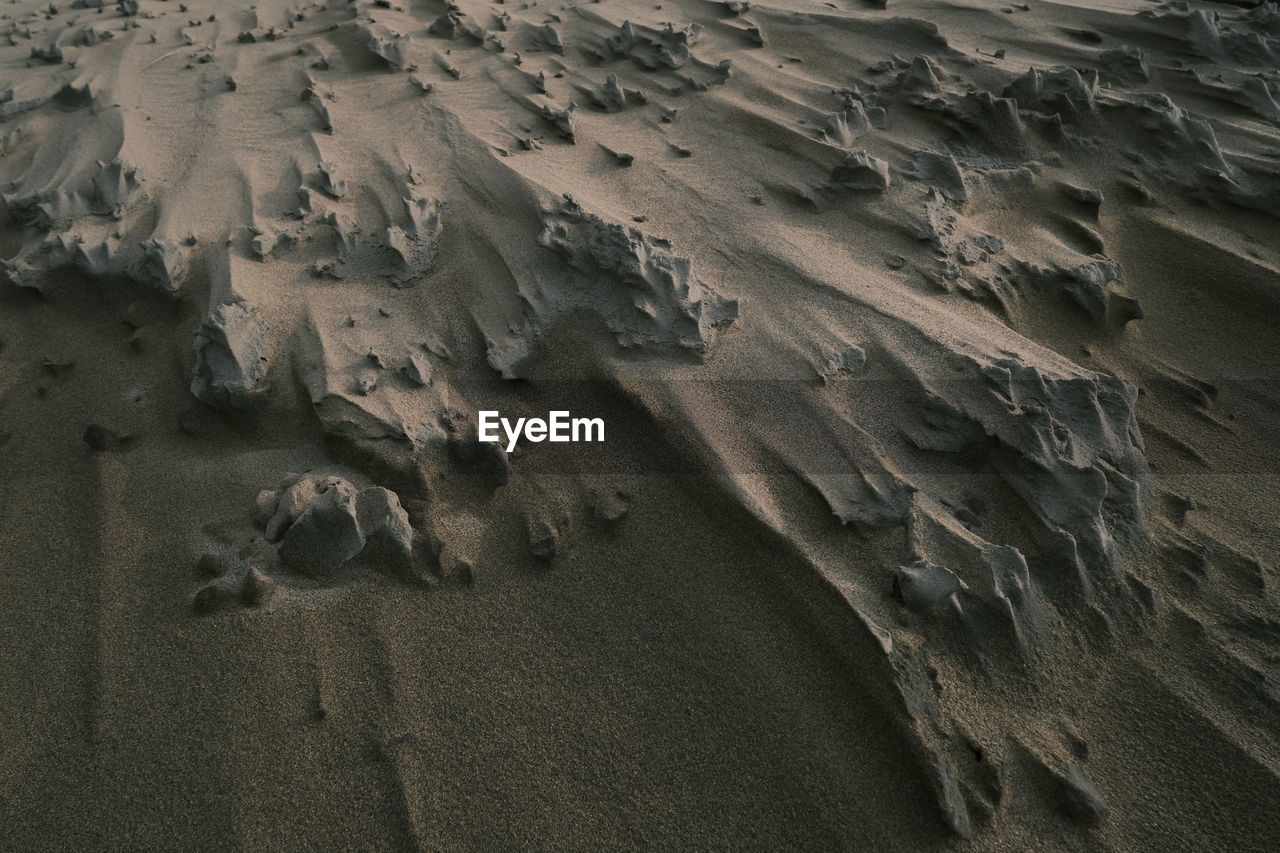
[(936, 347)]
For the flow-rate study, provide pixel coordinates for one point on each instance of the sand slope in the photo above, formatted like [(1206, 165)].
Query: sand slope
[(934, 344)]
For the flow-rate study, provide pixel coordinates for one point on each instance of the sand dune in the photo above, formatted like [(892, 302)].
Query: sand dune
[(934, 344)]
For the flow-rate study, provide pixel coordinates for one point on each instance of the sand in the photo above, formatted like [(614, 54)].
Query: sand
[(935, 348)]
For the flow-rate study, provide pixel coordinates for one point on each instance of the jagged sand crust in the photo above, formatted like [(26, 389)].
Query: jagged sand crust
[(935, 343)]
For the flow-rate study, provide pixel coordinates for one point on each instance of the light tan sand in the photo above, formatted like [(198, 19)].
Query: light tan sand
[(936, 345)]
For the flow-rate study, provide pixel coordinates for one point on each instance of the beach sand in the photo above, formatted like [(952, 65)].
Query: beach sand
[(934, 344)]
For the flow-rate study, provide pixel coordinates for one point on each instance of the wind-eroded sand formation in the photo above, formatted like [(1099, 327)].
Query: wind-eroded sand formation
[(935, 344)]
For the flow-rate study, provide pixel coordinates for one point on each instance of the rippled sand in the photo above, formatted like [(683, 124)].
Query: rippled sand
[(934, 343)]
